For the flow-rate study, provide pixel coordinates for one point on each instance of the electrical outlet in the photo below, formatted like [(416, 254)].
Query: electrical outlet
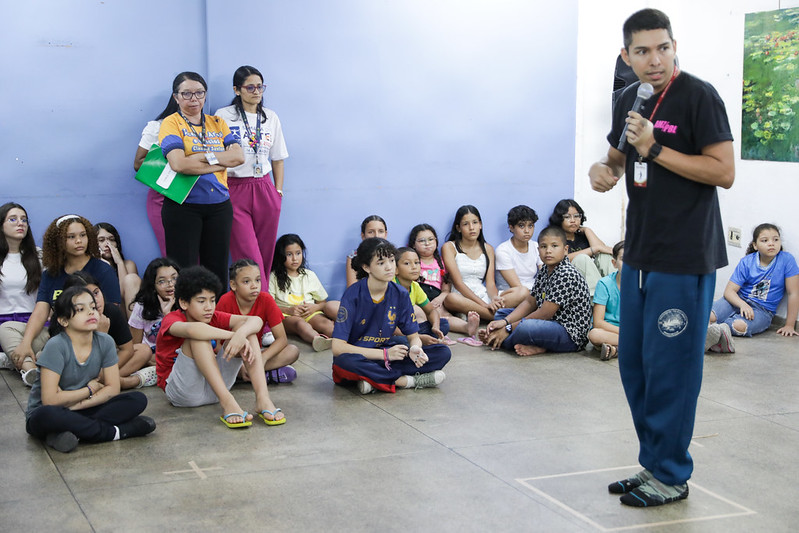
[(734, 236)]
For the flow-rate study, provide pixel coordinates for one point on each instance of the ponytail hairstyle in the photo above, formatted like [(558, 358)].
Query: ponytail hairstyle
[(372, 218), (172, 106), (756, 233), (241, 74), (147, 295), (27, 250), (455, 233), (233, 271), (64, 307), (415, 231), (279, 261)]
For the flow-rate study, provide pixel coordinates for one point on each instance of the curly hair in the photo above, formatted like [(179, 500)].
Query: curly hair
[(195, 279), (147, 295), (279, 261), (368, 250), (54, 255), (27, 249)]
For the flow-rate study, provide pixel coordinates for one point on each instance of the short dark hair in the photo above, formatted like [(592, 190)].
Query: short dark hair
[(63, 307), (521, 213), (562, 208), (368, 250), (644, 20), (553, 230), (618, 247), (194, 280)]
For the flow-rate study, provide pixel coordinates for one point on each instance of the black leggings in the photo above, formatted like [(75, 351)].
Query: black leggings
[(95, 424), (199, 230)]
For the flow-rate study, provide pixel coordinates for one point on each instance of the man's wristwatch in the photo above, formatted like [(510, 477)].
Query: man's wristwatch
[(654, 151), (509, 328)]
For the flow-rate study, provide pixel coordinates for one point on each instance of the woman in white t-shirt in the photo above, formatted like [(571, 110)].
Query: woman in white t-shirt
[(256, 187), (20, 272)]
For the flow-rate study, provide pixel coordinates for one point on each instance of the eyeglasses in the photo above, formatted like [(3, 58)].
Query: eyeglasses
[(14, 220), (252, 89), (186, 95), (166, 282), (429, 240), (578, 216)]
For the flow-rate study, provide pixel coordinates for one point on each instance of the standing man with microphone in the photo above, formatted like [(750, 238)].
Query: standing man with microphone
[(678, 150)]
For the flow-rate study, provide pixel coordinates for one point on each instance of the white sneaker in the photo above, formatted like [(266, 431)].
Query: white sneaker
[(267, 339), (713, 335), (364, 387), (5, 362), (29, 376), (147, 377)]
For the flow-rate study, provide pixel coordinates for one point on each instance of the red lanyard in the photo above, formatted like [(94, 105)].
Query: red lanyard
[(663, 94)]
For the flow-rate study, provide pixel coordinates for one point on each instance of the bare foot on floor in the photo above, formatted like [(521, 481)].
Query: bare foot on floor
[(472, 323), (524, 350), (482, 335)]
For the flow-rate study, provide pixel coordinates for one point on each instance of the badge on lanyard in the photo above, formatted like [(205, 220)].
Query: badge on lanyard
[(640, 174), (211, 158), (258, 170)]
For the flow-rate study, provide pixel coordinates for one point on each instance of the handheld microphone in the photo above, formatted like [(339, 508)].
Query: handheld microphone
[(645, 91)]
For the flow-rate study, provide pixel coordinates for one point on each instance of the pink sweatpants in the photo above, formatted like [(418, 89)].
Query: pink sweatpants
[(154, 203), (256, 213)]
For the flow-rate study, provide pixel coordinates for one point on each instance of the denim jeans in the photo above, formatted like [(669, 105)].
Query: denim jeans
[(728, 313)]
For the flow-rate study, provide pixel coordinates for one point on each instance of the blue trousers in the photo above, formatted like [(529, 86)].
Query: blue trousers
[(726, 312), (355, 367), (663, 324), (546, 334)]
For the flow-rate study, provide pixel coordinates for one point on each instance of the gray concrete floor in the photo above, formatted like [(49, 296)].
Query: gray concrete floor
[(504, 444)]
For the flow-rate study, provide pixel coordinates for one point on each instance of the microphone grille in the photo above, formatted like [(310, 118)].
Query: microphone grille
[(645, 90)]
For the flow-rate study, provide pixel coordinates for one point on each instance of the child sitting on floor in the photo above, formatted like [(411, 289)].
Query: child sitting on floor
[(370, 311), (192, 370), (300, 295), (556, 316), (76, 396), (433, 328), (246, 298), (607, 297), (754, 291)]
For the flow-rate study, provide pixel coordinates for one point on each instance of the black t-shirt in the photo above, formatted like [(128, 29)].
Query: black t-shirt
[(119, 329), (580, 242), (674, 224)]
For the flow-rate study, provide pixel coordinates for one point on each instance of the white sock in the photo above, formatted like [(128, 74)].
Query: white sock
[(116, 434), (409, 382)]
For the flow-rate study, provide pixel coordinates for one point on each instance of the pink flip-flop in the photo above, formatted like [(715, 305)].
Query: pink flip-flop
[(448, 341), (470, 341)]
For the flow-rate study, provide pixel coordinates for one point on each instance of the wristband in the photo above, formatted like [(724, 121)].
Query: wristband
[(507, 322), (385, 359), (91, 392)]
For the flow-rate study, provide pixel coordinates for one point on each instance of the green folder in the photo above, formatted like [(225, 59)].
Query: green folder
[(156, 173)]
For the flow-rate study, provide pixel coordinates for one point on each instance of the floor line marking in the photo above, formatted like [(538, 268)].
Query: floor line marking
[(194, 468), (745, 511)]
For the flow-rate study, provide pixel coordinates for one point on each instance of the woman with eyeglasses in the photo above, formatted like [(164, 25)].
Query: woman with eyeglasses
[(256, 187), (592, 257), (20, 274), (198, 144)]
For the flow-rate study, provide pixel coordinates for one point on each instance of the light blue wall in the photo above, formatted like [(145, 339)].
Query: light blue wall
[(381, 101)]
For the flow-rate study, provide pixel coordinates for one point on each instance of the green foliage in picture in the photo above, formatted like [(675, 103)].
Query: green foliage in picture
[(769, 127)]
